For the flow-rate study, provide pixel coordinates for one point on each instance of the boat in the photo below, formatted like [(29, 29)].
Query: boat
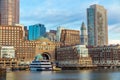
[(39, 64), (8, 69), (56, 68), (43, 65)]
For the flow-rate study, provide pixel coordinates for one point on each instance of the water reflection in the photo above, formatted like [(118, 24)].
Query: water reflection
[(65, 75)]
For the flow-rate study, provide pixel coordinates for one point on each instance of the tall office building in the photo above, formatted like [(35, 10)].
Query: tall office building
[(97, 25), (83, 36), (36, 31), (9, 12)]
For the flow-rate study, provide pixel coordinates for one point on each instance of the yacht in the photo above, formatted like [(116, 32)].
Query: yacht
[(42, 65)]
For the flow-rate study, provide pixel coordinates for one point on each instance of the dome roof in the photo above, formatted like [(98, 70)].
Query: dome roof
[(42, 38), (48, 34), (38, 57), (83, 26)]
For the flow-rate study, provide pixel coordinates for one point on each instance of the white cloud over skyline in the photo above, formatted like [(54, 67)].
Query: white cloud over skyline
[(68, 13)]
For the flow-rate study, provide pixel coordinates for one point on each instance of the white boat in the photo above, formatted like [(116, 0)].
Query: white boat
[(43, 65)]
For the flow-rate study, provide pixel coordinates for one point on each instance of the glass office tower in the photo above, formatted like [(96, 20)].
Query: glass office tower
[(97, 25), (36, 31)]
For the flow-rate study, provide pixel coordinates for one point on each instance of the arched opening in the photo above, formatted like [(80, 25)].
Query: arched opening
[(46, 56)]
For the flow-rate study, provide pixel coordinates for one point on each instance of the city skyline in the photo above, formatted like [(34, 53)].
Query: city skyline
[(54, 13)]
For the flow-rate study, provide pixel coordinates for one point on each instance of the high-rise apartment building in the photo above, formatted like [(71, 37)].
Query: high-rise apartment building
[(97, 25), (36, 31), (9, 12)]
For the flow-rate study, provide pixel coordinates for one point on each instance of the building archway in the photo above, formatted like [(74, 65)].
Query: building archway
[(46, 56)]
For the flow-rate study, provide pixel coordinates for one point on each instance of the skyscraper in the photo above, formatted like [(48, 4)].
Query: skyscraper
[(97, 25), (36, 31), (83, 37), (9, 12)]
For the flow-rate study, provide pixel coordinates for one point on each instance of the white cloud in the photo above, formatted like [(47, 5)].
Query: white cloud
[(115, 28), (114, 41), (55, 12), (114, 32)]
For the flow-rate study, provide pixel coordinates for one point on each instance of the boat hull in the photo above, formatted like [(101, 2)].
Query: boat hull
[(40, 69)]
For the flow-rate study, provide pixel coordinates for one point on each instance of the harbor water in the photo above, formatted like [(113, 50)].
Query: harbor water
[(65, 75)]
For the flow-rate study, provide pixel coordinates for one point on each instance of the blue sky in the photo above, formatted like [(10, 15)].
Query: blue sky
[(69, 13)]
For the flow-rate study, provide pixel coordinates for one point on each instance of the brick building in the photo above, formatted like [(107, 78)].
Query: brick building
[(70, 37), (24, 50), (105, 55), (14, 36), (46, 48), (73, 55)]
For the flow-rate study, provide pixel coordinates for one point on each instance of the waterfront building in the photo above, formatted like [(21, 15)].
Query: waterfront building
[(73, 56), (14, 36), (105, 55), (36, 31), (9, 12), (58, 34), (97, 25), (7, 52), (46, 48), (11, 35), (25, 50), (8, 62), (83, 36), (70, 37), (82, 50)]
